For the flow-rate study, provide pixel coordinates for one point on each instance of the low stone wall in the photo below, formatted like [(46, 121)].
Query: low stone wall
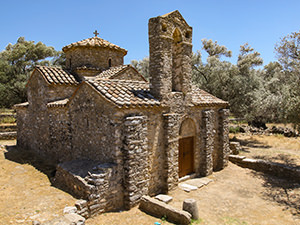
[(276, 169), (98, 185), (160, 209)]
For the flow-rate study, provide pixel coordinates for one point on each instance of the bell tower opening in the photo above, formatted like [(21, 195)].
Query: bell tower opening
[(177, 61)]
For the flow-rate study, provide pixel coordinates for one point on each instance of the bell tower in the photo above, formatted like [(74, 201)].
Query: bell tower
[(170, 46)]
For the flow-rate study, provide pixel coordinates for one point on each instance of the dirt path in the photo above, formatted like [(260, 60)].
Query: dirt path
[(236, 196)]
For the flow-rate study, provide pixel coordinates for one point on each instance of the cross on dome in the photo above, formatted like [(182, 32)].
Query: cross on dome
[(96, 33)]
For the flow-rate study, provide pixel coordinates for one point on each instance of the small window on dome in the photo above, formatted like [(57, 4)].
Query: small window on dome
[(109, 63)]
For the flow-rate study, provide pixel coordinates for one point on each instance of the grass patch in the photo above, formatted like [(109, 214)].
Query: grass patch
[(198, 221), (233, 221), (234, 130), (8, 119)]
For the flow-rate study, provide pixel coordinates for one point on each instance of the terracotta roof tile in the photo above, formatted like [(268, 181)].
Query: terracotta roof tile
[(125, 92), (202, 98), (94, 42), (55, 75), (109, 73)]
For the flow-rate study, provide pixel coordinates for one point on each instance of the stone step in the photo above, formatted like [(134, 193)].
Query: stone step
[(8, 135)]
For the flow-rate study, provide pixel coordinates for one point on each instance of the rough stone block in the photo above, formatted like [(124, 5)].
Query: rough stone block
[(70, 209), (235, 147), (160, 209), (80, 204), (164, 198), (75, 219), (190, 205), (187, 187)]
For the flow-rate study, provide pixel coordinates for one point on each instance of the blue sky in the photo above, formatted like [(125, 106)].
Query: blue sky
[(232, 23)]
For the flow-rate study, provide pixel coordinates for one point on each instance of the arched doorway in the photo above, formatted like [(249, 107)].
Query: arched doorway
[(186, 148)]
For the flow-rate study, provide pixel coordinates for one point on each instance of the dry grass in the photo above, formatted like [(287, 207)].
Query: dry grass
[(275, 148)]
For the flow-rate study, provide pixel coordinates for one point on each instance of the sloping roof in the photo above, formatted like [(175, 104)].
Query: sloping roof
[(55, 75), (125, 93), (113, 72), (94, 42), (128, 93), (202, 98)]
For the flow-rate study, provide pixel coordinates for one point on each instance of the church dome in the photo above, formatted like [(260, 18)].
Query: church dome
[(94, 42)]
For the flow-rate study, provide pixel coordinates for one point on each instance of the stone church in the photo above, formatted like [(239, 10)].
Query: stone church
[(113, 135)]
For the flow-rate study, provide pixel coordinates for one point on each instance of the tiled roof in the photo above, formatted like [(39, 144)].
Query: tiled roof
[(125, 93), (202, 98), (95, 42), (112, 71), (59, 103), (55, 75)]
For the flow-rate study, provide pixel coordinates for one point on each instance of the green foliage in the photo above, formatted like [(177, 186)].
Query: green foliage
[(198, 221), (16, 63), (288, 51), (270, 94), (234, 130), (142, 66)]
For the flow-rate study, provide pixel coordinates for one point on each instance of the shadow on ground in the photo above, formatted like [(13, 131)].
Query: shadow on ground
[(282, 158), (284, 191), (246, 144), (25, 157)]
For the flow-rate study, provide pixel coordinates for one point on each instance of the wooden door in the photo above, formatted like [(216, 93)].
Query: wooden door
[(186, 156)]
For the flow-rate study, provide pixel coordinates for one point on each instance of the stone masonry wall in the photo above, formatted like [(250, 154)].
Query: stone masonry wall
[(38, 138), (93, 57), (98, 185), (129, 74), (93, 124), (136, 160), (60, 134), (157, 156), (23, 128), (207, 134), (172, 126), (224, 137), (170, 46), (58, 92)]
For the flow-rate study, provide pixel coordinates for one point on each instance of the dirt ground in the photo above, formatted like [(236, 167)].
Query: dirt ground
[(26, 193), (236, 195), (274, 148)]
